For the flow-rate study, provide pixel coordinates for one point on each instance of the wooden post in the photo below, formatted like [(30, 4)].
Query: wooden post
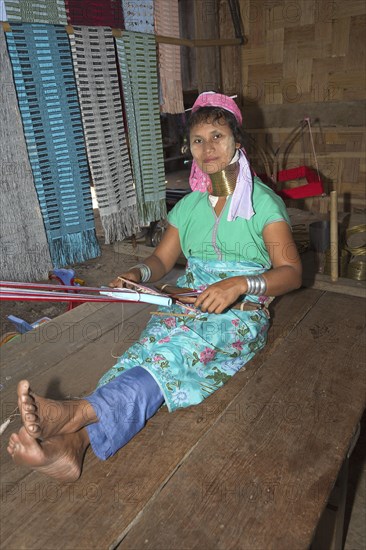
[(207, 59), (334, 236), (230, 56)]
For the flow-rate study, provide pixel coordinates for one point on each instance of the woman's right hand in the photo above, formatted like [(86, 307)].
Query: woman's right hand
[(133, 275)]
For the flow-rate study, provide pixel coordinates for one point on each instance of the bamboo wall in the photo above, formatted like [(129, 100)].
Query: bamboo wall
[(305, 58)]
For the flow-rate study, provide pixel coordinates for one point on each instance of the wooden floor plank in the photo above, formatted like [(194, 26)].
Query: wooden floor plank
[(63, 336), (76, 376), (37, 337), (262, 475), (98, 510)]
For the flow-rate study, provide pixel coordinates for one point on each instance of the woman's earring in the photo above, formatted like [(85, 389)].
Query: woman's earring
[(185, 147)]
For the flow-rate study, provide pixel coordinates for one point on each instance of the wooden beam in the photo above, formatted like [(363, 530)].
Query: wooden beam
[(218, 42), (319, 281), (198, 43), (172, 40)]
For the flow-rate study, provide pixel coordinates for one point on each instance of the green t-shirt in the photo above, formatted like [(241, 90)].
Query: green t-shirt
[(207, 236)]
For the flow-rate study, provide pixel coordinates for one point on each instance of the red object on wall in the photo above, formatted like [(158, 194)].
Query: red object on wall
[(95, 13), (312, 188)]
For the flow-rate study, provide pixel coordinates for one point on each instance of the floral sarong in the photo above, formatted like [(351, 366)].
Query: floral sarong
[(190, 358)]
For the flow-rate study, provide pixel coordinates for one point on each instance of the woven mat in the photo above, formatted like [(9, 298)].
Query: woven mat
[(167, 24), (137, 60), (138, 16), (47, 95), (99, 95), (95, 13), (36, 11), (23, 243)]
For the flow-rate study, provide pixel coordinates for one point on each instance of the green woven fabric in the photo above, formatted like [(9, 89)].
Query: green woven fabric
[(36, 11), (138, 64)]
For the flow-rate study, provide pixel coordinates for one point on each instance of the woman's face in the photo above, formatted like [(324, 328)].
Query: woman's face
[(212, 145)]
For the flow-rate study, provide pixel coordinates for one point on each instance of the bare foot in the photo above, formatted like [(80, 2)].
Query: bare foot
[(44, 418), (60, 457)]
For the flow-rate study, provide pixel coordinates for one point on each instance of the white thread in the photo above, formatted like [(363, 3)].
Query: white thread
[(6, 423)]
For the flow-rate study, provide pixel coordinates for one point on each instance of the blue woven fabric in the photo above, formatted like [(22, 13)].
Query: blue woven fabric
[(138, 65), (47, 95), (24, 252)]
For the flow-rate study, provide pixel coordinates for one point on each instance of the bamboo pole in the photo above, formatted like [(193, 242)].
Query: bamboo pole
[(334, 236)]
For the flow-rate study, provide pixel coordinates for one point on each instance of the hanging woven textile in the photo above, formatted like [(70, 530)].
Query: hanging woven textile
[(138, 16), (99, 95), (3, 16), (137, 61), (23, 243), (167, 24), (36, 11), (47, 96), (95, 13)]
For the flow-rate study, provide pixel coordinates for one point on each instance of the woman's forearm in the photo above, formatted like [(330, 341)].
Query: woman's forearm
[(278, 280), (158, 269), (282, 279)]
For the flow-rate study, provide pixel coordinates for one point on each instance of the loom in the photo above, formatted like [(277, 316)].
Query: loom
[(40, 292)]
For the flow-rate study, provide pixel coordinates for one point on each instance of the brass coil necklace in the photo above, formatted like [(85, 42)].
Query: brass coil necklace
[(223, 182)]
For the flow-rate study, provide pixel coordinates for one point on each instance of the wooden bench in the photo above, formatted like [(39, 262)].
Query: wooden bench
[(250, 468)]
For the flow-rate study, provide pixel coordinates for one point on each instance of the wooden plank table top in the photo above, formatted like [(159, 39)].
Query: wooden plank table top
[(251, 467)]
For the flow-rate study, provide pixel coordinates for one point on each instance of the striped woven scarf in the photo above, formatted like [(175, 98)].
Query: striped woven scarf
[(137, 60), (47, 96), (36, 11), (3, 16), (99, 95), (23, 243), (167, 24), (95, 13), (138, 16)]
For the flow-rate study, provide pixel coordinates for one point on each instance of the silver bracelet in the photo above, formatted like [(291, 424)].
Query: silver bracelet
[(257, 285), (145, 272)]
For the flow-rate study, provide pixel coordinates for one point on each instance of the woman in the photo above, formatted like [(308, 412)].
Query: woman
[(236, 236)]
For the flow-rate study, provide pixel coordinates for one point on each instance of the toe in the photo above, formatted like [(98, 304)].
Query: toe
[(23, 388), (10, 449), (29, 406), (13, 442), (14, 438), (33, 428), (31, 418)]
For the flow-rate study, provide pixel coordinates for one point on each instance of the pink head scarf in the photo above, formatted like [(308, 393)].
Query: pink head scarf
[(211, 99), (241, 203)]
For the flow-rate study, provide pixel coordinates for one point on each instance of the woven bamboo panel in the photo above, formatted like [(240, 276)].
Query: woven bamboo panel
[(302, 50), (309, 53)]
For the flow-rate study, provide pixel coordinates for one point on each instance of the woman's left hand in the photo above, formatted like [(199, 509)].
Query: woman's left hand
[(219, 296)]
